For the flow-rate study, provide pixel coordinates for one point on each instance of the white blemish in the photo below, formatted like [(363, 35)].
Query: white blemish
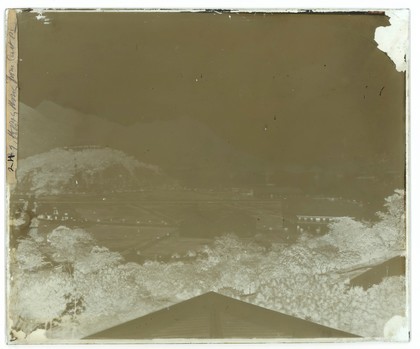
[(396, 329), (37, 336), (393, 39), (41, 16)]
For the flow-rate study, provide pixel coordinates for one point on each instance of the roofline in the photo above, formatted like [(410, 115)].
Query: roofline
[(217, 297)]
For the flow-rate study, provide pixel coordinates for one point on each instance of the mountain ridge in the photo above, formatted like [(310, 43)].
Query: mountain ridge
[(183, 148)]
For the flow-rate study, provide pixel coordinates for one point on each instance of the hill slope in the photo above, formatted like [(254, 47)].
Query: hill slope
[(85, 169), (184, 148)]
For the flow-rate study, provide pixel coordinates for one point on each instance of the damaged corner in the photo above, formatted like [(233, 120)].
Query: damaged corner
[(393, 39)]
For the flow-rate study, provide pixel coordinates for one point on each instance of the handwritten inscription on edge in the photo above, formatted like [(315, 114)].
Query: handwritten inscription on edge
[(12, 94)]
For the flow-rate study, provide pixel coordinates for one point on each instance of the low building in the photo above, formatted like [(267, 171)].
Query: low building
[(313, 215), (55, 214), (318, 224)]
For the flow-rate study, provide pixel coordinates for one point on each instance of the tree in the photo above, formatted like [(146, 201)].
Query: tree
[(38, 298), (29, 256), (355, 239), (67, 280), (46, 288), (97, 259), (392, 226)]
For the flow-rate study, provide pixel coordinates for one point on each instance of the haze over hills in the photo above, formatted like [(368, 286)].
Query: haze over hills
[(191, 153), (184, 148)]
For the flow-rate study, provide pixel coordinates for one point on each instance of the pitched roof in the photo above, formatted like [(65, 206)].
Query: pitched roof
[(213, 315), (392, 267)]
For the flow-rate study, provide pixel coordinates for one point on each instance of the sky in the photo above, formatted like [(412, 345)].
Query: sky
[(307, 89)]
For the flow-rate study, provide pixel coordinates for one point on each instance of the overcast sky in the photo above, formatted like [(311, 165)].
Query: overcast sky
[(310, 89)]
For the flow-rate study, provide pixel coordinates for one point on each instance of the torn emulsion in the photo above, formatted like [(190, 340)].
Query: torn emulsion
[(393, 39), (42, 17)]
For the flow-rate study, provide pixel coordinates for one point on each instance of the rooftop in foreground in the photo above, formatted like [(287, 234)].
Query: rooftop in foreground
[(214, 316)]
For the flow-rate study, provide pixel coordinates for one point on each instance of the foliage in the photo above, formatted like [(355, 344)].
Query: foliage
[(28, 255), (354, 238), (97, 259), (67, 245), (392, 221), (62, 169), (358, 242), (320, 299), (40, 297), (70, 282)]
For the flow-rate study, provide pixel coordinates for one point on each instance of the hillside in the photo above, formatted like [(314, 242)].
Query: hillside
[(184, 148), (88, 169)]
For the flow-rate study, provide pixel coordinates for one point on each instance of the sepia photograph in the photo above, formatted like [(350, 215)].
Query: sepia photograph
[(207, 176)]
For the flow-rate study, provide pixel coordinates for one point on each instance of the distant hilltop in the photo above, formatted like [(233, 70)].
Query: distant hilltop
[(85, 169), (184, 148)]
